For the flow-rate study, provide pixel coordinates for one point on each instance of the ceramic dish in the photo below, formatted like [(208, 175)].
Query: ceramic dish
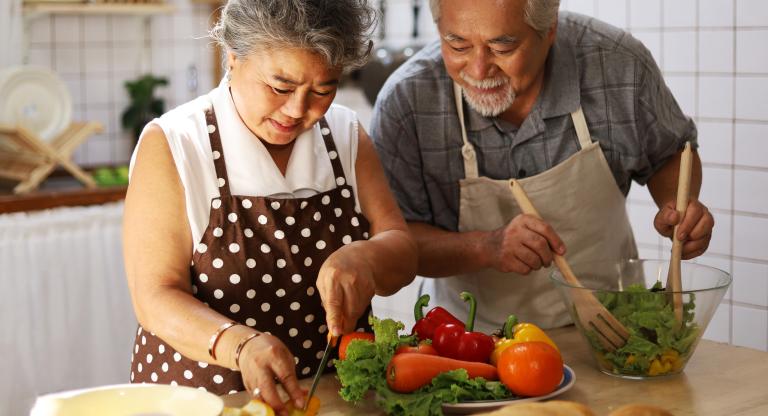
[(130, 400), (35, 98), (569, 377)]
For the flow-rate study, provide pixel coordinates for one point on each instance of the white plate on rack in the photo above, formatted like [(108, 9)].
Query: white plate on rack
[(35, 98), (569, 377)]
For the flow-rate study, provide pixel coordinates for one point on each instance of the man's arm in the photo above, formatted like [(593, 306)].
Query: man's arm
[(695, 230), (663, 184), (527, 243)]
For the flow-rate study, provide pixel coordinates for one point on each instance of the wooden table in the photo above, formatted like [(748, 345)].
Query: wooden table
[(720, 379)]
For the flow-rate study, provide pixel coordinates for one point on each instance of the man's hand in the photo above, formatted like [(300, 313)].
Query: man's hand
[(695, 230), (527, 243)]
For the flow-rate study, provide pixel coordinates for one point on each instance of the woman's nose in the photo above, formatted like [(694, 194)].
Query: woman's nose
[(296, 105)]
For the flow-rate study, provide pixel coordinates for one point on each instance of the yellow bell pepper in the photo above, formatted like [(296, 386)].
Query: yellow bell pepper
[(515, 332)]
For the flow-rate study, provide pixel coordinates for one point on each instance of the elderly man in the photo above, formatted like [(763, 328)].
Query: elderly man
[(573, 107)]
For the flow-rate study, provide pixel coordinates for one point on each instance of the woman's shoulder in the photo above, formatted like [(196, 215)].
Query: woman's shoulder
[(191, 110), (340, 115)]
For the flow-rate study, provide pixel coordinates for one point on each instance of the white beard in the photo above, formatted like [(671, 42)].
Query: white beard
[(489, 105)]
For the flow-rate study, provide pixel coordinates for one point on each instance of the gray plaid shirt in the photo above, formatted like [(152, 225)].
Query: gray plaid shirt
[(628, 107)]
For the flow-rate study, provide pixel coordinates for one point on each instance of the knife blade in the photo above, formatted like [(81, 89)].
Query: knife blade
[(326, 354)]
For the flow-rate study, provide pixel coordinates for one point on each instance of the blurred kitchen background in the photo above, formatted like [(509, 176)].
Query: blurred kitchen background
[(66, 316)]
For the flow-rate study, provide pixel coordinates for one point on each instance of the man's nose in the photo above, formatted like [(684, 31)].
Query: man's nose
[(479, 65)]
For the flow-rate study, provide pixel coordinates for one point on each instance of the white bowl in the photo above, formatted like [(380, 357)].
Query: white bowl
[(130, 400)]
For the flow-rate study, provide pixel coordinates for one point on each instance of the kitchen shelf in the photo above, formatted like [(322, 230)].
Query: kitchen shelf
[(139, 9), (48, 199)]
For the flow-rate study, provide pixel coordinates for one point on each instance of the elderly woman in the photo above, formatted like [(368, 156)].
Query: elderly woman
[(258, 217)]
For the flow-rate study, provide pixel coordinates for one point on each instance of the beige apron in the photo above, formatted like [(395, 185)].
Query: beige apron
[(579, 198)]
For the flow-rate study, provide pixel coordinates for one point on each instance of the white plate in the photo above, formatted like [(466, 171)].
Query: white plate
[(130, 400), (35, 98), (569, 377)]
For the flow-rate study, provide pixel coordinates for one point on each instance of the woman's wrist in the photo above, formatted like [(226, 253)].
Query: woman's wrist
[(227, 346)]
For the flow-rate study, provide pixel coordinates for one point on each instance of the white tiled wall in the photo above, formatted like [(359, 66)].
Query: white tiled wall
[(714, 57), (95, 55)]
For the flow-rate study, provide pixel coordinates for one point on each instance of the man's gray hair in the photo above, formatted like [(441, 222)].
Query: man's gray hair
[(338, 30), (541, 15)]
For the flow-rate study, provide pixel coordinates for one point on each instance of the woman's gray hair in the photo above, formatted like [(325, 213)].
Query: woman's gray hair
[(541, 15), (337, 30)]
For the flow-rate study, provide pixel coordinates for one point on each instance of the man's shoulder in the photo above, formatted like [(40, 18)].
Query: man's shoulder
[(590, 36)]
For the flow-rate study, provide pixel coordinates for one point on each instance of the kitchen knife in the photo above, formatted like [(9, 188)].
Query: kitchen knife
[(328, 348)]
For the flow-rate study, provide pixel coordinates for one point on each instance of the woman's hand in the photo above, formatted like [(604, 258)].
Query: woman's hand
[(346, 286), (264, 362), (695, 230)]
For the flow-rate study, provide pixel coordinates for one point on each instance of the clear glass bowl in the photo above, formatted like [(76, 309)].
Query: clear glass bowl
[(657, 346)]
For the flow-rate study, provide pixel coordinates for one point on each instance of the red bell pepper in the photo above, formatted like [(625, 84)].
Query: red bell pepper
[(459, 342), (425, 325)]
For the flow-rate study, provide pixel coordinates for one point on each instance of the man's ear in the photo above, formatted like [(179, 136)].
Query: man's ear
[(552, 33)]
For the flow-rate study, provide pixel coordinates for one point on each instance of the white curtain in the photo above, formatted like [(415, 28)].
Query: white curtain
[(10, 33), (65, 313)]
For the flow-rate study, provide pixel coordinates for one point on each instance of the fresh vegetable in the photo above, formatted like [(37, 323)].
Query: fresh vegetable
[(530, 368), (312, 408), (352, 336), (657, 344), (425, 325), (365, 369), (256, 407), (460, 342), (409, 371), (518, 332), (420, 348)]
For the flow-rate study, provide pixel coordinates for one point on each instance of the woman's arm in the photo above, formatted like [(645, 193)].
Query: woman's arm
[(158, 250), (380, 265), (391, 247), (157, 246)]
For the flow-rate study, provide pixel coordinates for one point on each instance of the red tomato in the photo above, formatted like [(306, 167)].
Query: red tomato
[(346, 339), (422, 348), (530, 368)]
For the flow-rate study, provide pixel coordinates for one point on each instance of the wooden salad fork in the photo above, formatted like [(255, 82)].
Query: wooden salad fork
[(611, 333), (674, 281)]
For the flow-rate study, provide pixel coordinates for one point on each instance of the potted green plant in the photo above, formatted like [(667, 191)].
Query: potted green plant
[(144, 105), (143, 108)]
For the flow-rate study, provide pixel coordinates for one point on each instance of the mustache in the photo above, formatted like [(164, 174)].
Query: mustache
[(486, 83)]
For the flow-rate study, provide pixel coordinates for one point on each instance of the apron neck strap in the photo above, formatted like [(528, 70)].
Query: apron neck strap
[(467, 151), (218, 151), (580, 124), (333, 154)]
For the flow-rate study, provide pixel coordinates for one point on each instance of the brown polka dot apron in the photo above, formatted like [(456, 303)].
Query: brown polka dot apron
[(257, 263)]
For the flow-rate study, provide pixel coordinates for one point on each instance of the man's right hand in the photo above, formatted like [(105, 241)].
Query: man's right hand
[(525, 244)]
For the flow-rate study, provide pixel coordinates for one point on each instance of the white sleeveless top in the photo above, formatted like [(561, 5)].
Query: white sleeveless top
[(250, 168)]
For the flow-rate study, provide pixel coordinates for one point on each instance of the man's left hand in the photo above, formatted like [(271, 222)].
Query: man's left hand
[(694, 231)]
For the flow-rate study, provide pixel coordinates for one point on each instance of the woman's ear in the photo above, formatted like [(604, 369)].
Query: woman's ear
[(231, 59)]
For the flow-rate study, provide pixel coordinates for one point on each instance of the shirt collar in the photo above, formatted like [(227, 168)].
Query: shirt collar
[(306, 167), (560, 95)]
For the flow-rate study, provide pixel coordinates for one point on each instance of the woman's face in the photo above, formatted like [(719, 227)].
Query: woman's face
[(281, 93)]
